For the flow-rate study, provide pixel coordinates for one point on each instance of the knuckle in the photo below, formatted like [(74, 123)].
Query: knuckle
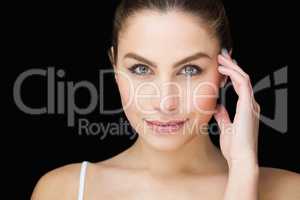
[(247, 77), (257, 106)]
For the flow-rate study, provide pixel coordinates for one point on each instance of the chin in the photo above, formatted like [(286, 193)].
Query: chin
[(169, 142)]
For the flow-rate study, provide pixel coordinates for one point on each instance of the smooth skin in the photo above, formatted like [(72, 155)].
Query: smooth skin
[(179, 166)]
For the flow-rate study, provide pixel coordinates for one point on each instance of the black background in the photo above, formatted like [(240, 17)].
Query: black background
[(75, 37)]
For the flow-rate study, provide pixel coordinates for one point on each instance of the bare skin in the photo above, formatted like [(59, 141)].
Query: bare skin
[(117, 179), (179, 166)]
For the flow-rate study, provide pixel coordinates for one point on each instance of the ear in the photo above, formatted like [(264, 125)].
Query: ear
[(111, 56), (112, 60)]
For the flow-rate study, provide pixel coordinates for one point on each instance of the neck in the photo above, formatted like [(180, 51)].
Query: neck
[(198, 155)]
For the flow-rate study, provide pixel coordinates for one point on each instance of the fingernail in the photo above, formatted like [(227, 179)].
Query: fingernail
[(225, 52)]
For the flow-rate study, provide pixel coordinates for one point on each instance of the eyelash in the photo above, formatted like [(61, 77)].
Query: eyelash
[(194, 67)]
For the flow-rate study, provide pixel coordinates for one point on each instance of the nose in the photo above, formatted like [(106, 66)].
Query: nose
[(168, 102)]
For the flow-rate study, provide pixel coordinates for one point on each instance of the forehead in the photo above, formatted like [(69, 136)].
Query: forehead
[(154, 33)]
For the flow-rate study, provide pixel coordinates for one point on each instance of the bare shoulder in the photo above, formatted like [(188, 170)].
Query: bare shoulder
[(279, 184), (60, 183)]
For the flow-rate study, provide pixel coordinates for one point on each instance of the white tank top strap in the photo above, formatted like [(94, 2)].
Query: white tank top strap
[(82, 180)]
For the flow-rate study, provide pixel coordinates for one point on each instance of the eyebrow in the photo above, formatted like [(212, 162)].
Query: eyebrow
[(181, 62)]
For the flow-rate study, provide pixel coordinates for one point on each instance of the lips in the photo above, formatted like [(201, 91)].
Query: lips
[(169, 123), (166, 127)]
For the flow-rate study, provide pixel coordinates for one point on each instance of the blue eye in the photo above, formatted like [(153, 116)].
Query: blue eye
[(191, 70), (140, 69)]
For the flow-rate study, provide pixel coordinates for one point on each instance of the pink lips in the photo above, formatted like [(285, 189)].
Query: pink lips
[(166, 127)]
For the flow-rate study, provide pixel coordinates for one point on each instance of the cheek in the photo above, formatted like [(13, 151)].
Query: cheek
[(132, 92), (204, 95), (126, 90), (204, 100)]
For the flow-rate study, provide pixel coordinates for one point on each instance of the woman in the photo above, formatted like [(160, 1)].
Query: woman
[(170, 58)]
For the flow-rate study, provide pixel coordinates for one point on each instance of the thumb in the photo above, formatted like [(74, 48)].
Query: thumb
[(225, 125), (222, 117)]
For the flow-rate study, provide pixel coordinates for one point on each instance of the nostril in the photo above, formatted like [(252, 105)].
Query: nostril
[(169, 107)]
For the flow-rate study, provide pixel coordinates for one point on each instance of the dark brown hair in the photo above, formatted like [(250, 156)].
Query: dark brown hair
[(212, 12)]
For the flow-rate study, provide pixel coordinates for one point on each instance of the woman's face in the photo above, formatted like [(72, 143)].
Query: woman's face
[(167, 70)]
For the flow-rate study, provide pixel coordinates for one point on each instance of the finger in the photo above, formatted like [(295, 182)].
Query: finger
[(234, 61), (224, 81), (230, 63), (221, 115), (240, 83), (222, 118), (225, 53)]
